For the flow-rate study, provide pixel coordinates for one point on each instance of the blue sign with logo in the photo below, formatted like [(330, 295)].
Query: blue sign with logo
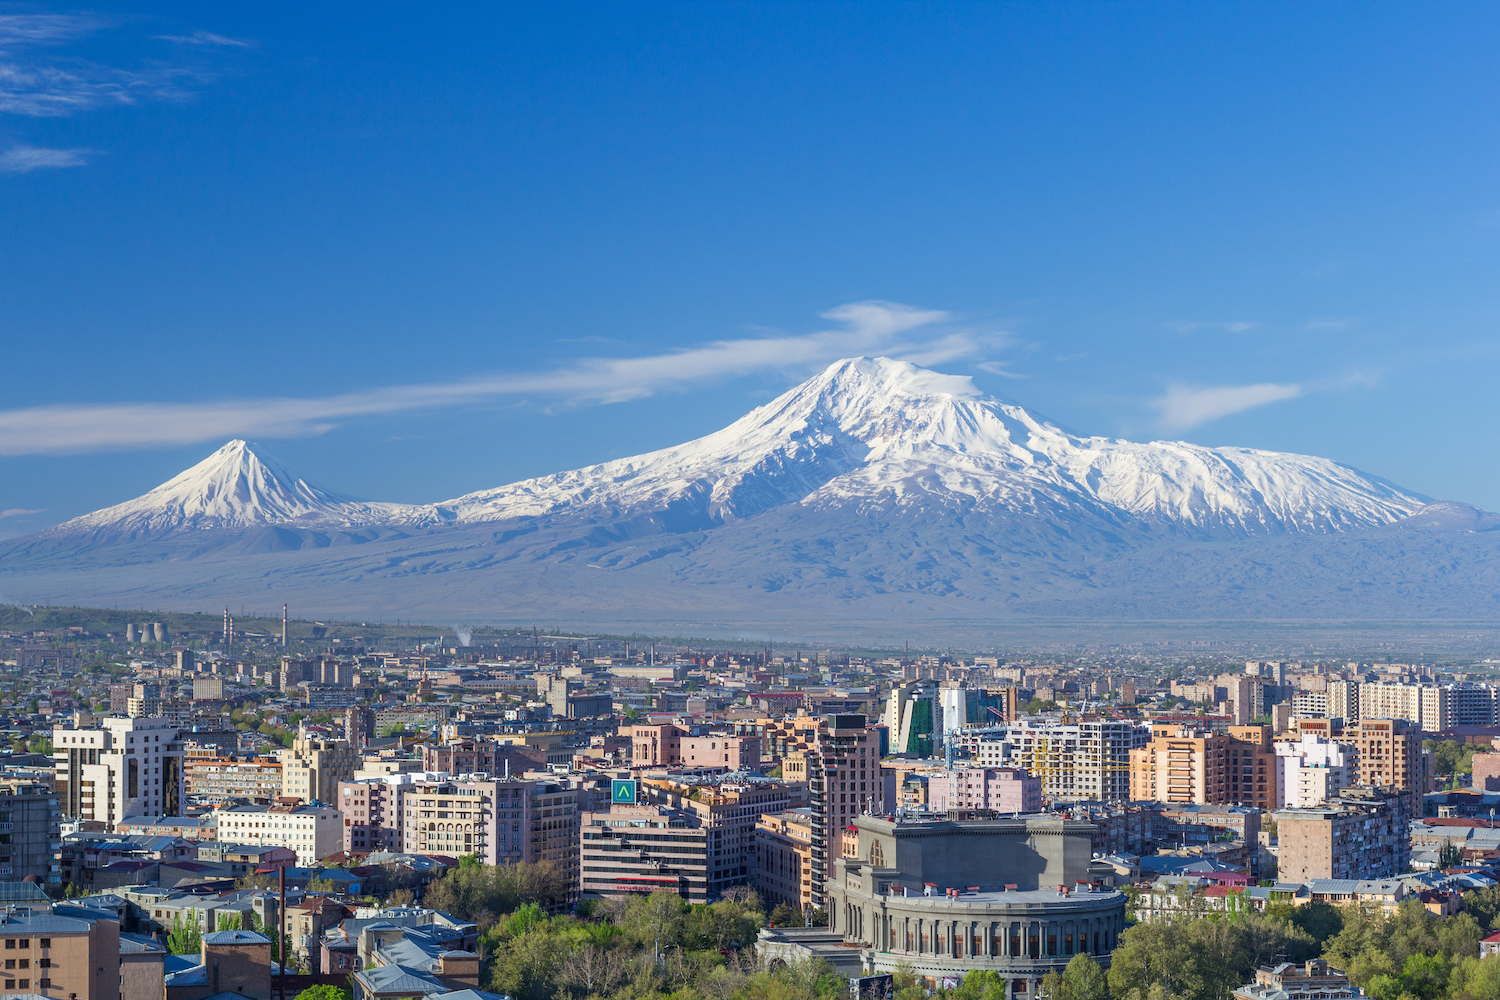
[(622, 790)]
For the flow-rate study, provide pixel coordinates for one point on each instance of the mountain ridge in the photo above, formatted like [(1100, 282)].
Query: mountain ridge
[(875, 487)]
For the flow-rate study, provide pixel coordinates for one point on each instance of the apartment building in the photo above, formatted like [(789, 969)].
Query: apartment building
[(1088, 760), (845, 779), (312, 769), (1185, 765), (314, 832), (29, 833), (783, 859), (671, 746), (1001, 789), (212, 779), (780, 737), (1389, 754), (1431, 707), (1311, 769), (57, 955), (728, 812), (503, 821), (372, 813), (129, 767), (1310, 704), (642, 847), (1360, 834)]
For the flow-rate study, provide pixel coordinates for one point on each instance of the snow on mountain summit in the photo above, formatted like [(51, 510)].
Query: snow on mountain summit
[(875, 430), (864, 434), (236, 487)]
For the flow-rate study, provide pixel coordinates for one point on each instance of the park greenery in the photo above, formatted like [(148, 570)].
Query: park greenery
[(657, 946), (1453, 757)]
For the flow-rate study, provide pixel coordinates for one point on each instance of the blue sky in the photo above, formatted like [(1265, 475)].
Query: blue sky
[(417, 256)]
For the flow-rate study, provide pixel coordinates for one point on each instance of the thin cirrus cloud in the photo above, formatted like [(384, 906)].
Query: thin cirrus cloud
[(36, 81), (24, 159), (1184, 407), (921, 336), (205, 38), (20, 512)]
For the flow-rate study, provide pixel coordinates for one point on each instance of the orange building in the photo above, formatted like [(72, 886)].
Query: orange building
[(1184, 765)]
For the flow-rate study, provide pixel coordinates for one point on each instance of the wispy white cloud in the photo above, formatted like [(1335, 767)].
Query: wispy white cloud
[(42, 29), (19, 512), (1331, 323), (1183, 407), (205, 38), (58, 90), (1234, 326), (998, 368), (38, 82), (865, 328), (24, 159)]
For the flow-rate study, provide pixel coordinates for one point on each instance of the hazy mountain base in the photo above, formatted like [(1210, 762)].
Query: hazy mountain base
[(896, 571)]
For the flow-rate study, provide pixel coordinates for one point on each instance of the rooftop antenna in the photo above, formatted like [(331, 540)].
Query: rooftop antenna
[(283, 625)]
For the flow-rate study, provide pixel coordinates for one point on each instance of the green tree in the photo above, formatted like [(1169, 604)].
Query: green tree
[(323, 992), (229, 922), (185, 939), (1083, 980)]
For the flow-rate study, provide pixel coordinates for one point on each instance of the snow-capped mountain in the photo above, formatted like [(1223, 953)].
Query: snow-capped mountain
[(875, 492), (863, 434), (880, 431), (236, 488)]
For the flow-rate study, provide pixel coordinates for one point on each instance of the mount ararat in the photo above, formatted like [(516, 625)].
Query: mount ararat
[(875, 491)]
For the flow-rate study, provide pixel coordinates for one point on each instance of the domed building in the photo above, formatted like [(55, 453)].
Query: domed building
[(951, 896)]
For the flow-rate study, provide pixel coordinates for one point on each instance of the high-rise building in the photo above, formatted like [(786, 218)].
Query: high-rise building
[(28, 833), (783, 859), (1087, 760), (208, 689), (1359, 834), (639, 847), (130, 767), (1185, 765), (312, 769), (728, 812), (1472, 704), (185, 660), (1389, 753), (999, 789), (1312, 769), (359, 726), (1429, 706), (913, 714), (845, 779), (144, 702)]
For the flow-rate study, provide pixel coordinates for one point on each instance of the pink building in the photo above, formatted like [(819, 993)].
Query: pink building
[(1003, 789), (1487, 772), (733, 753), (655, 746), (670, 746)]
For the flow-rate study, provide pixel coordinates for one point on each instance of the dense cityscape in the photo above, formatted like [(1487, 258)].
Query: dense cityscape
[(452, 812)]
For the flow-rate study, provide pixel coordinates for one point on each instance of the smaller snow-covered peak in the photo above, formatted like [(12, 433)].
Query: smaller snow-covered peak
[(239, 487)]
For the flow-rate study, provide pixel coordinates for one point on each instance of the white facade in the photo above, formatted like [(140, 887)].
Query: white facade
[(1079, 760), (130, 767), (314, 832), (1311, 770)]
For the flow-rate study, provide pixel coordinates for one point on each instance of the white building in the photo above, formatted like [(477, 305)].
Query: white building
[(130, 767), (314, 832), (1311, 770), (1077, 760)]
